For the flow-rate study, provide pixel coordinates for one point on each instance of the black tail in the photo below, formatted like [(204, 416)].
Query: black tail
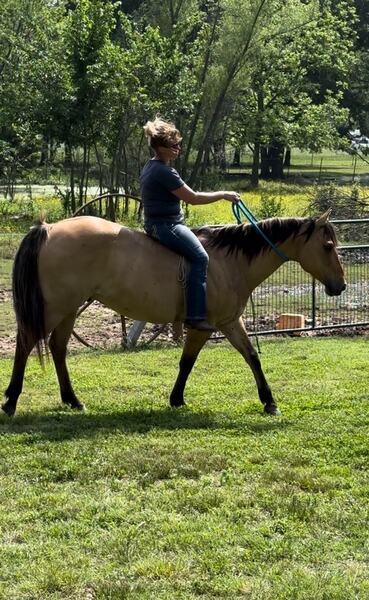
[(27, 295)]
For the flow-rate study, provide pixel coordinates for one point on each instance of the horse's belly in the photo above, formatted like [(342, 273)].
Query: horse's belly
[(145, 297)]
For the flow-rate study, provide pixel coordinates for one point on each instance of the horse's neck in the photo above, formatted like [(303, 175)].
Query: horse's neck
[(268, 261), (261, 267)]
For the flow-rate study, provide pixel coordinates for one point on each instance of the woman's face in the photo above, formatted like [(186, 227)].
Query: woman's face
[(169, 152)]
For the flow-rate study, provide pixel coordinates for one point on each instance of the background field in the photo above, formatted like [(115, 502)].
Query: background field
[(320, 165), (133, 500), (283, 199)]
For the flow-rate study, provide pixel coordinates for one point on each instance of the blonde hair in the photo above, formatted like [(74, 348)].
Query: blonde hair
[(161, 133)]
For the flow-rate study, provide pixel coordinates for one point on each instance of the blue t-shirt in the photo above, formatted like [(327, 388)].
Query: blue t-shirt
[(157, 182)]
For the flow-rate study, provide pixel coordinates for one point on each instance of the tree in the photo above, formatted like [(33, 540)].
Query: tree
[(356, 96), (296, 78), (26, 62)]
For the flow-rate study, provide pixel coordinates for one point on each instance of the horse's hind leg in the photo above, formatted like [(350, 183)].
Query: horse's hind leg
[(58, 346), (195, 340), (235, 332), (14, 388)]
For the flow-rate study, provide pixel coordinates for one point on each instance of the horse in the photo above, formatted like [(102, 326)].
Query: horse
[(59, 266)]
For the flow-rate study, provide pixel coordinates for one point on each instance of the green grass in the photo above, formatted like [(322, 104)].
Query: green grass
[(132, 500), (327, 163), (336, 163), (17, 216)]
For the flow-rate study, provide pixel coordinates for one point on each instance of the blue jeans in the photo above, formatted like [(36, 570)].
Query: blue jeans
[(180, 238)]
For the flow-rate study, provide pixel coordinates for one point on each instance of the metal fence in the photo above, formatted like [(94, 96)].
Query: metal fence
[(292, 292), (289, 291)]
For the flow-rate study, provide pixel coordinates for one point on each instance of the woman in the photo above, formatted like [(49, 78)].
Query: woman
[(162, 189)]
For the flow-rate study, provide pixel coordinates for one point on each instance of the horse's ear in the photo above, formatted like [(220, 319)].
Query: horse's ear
[(323, 219)]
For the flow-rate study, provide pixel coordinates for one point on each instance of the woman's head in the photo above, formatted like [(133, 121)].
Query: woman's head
[(162, 134)]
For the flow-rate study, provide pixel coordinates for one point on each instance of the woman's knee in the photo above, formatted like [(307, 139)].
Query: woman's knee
[(201, 260), (205, 258)]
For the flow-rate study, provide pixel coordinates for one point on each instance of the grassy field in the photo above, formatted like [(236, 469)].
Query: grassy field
[(132, 500), (325, 164)]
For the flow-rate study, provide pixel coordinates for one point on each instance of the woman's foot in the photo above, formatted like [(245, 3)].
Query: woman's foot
[(199, 324)]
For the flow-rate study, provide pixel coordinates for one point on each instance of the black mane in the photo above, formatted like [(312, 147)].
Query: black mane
[(247, 239)]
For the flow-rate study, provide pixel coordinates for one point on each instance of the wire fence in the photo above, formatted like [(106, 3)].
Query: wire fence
[(291, 300)]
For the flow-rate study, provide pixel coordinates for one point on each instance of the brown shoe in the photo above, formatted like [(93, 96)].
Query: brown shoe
[(200, 325)]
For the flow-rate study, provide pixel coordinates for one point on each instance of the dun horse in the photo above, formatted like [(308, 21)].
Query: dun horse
[(59, 266)]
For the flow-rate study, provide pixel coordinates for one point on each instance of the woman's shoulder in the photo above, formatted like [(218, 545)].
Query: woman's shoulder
[(158, 168)]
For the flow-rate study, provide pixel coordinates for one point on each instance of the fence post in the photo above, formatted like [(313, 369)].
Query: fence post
[(313, 305)]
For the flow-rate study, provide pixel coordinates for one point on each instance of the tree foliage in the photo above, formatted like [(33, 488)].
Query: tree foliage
[(85, 76)]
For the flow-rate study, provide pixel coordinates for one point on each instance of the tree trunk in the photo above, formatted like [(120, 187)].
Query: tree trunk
[(220, 154), (44, 154), (202, 79), (83, 174), (69, 164), (236, 162), (206, 161), (276, 160), (255, 165), (264, 163), (287, 158), (232, 72), (101, 172)]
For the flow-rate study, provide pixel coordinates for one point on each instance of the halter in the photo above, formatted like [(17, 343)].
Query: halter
[(240, 208)]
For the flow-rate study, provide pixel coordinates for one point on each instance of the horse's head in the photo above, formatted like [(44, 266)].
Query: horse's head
[(318, 256)]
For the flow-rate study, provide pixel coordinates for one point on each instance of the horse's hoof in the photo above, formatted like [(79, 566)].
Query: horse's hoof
[(73, 403), (8, 410), (177, 403), (272, 410), (80, 406)]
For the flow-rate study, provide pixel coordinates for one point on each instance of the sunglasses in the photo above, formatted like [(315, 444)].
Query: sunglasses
[(176, 146)]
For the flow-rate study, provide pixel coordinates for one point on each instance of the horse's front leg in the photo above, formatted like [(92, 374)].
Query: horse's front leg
[(235, 332), (195, 340)]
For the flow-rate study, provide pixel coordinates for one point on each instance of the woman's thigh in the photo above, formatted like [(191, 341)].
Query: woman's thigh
[(180, 239)]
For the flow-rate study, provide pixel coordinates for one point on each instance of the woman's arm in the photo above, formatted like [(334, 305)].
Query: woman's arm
[(186, 194)]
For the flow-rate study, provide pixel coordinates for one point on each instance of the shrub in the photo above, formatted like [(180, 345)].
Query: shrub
[(270, 206)]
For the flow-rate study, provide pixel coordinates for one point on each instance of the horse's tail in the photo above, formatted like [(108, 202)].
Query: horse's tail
[(27, 295)]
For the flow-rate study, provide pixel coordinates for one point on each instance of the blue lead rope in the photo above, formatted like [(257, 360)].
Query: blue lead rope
[(239, 209)]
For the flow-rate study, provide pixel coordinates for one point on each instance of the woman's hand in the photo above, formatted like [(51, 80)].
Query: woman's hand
[(232, 197)]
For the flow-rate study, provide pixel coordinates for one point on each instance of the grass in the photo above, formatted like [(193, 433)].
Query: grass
[(132, 500), (336, 163), (326, 163), (283, 198)]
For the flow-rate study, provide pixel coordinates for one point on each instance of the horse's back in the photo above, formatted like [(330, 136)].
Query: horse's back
[(123, 268)]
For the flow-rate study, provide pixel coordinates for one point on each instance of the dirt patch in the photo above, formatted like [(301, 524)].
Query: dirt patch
[(5, 296), (98, 326), (101, 328)]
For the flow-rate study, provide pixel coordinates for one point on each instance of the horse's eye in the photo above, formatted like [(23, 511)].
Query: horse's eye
[(328, 246)]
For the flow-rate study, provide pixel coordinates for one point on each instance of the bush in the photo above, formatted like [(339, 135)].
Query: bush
[(344, 204), (351, 204), (270, 206), (21, 213)]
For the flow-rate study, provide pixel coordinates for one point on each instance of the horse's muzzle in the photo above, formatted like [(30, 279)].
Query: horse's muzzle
[(335, 289)]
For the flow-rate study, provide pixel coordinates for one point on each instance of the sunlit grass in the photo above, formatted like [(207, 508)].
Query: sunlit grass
[(292, 200), (132, 500)]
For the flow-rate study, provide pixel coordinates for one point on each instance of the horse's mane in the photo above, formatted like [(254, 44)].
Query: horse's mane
[(248, 240)]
